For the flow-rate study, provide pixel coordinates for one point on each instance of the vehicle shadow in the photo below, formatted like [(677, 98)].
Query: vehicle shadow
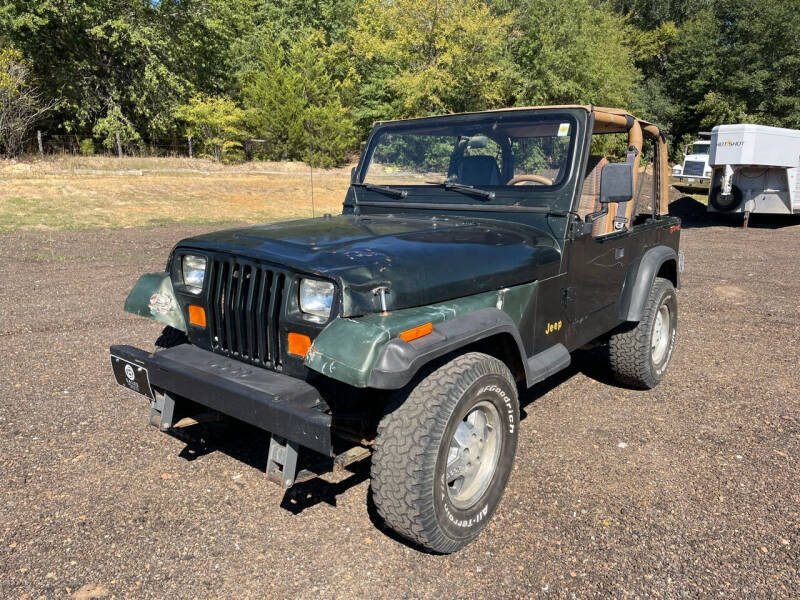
[(591, 363), (315, 491), (250, 445), (693, 215)]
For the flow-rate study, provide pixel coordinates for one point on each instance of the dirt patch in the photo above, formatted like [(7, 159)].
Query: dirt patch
[(731, 293), (686, 491)]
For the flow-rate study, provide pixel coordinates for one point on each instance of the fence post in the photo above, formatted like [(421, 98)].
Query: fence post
[(190, 145), (119, 146), (39, 139)]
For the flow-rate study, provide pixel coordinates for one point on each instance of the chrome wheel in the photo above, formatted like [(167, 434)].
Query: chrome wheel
[(473, 455), (659, 340)]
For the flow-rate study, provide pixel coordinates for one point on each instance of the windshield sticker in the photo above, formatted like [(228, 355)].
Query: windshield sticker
[(563, 129)]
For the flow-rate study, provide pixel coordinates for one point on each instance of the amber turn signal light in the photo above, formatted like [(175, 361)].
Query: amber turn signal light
[(417, 332), (197, 315), (299, 344)]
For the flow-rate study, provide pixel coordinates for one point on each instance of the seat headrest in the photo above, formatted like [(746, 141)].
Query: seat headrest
[(478, 171)]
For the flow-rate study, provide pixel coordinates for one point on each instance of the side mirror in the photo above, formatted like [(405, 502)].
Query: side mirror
[(616, 183), (353, 175)]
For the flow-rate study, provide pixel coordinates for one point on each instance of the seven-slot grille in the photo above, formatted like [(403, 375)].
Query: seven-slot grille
[(693, 168), (244, 305)]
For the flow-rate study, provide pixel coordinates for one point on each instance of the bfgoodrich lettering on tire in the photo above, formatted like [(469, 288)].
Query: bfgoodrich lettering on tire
[(444, 452), (640, 356)]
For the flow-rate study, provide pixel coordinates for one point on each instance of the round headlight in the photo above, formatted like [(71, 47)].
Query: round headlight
[(316, 299), (194, 271)]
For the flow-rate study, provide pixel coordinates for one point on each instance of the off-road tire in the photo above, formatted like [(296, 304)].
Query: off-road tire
[(412, 444), (170, 337), (630, 351)]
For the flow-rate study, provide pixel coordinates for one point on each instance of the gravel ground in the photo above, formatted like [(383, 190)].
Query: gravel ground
[(688, 490)]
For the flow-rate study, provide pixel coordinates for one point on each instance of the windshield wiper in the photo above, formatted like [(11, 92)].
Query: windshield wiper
[(466, 189), (384, 189)]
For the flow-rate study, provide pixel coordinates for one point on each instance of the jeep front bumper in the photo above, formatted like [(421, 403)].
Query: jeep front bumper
[(284, 406)]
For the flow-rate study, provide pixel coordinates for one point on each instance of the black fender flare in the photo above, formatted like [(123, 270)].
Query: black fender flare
[(399, 360), (640, 279)]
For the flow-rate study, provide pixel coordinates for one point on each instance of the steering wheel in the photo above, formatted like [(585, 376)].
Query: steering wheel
[(517, 179)]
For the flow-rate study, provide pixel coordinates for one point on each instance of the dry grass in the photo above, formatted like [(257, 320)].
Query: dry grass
[(86, 192)]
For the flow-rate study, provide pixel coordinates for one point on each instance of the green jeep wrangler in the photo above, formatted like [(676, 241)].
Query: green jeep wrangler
[(474, 252)]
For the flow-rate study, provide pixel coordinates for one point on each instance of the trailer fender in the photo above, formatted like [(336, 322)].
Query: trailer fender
[(153, 297), (640, 279)]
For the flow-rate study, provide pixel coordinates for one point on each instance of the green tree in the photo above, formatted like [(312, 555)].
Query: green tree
[(130, 60), (293, 103), (420, 57), (116, 126), (570, 51), (215, 122)]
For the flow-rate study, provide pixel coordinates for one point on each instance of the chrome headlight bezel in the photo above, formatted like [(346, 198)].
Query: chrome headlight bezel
[(315, 299), (193, 272)]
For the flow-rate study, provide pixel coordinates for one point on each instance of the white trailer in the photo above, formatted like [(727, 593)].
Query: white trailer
[(756, 169)]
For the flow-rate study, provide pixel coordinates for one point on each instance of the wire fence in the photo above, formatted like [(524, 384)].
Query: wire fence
[(43, 143)]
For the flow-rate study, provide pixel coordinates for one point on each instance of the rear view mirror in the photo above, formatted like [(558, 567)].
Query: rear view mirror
[(616, 183)]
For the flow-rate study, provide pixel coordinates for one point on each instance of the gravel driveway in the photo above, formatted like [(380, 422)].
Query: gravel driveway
[(689, 490)]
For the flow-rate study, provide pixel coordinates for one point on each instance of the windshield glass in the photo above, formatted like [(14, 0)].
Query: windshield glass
[(700, 148), (501, 151)]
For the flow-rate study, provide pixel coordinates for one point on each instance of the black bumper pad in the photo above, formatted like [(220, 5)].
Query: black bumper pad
[(277, 403)]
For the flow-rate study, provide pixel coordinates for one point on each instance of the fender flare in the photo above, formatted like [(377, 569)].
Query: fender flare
[(399, 360), (640, 279)]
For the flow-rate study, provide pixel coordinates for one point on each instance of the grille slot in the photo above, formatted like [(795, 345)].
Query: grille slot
[(693, 167), (244, 307)]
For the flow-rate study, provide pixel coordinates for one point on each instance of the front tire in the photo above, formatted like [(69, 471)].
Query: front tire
[(640, 356), (444, 452)]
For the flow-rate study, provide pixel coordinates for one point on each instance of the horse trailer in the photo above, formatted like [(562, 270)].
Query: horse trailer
[(756, 169)]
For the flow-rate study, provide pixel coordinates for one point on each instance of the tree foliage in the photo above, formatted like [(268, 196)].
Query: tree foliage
[(310, 76), (434, 55), (293, 103), (571, 52), (215, 122), (21, 104)]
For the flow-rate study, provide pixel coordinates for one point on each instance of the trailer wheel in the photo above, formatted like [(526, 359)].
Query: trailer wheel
[(444, 452), (725, 204), (640, 356)]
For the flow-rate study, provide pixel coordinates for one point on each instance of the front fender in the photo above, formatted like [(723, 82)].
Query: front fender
[(153, 297), (367, 352)]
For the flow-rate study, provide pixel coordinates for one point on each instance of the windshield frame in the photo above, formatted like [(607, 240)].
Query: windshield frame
[(506, 197)]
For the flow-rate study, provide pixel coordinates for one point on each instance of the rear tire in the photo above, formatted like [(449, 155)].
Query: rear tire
[(640, 356), (444, 452)]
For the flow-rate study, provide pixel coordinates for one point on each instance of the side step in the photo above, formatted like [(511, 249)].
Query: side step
[(547, 362)]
